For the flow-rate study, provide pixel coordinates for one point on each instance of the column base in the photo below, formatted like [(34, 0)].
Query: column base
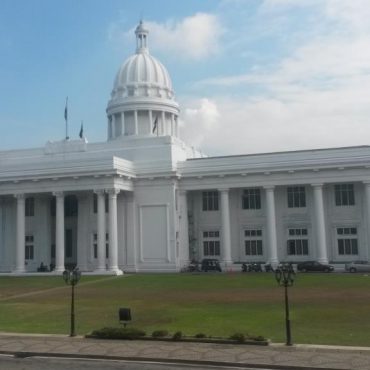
[(19, 271), (115, 271), (59, 269)]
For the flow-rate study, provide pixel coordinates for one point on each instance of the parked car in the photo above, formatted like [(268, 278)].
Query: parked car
[(251, 267), (210, 264), (314, 266), (358, 266)]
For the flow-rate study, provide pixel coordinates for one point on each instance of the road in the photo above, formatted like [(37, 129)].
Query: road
[(36, 363)]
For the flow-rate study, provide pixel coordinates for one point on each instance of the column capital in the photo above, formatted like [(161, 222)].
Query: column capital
[(223, 190), (112, 191), (317, 185), (19, 196), (182, 192), (366, 183), (269, 187), (58, 194), (99, 191)]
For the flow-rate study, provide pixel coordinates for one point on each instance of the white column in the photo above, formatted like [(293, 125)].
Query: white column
[(21, 233), (113, 122), (319, 222), (163, 125), (271, 225), (101, 230), (136, 122), (59, 234), (225, 228), (113, 247), (123, 123), (172, 124), (150, 121), (367, 212), (184, 229)]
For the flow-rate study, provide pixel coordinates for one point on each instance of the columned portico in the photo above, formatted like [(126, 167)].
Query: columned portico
[(319, 221), (59, 234), (271, 225), (113, 247), (101, 230), (20, 251), (225, 227)]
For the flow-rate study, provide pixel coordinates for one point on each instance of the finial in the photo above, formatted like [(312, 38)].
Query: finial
[(141, 38)]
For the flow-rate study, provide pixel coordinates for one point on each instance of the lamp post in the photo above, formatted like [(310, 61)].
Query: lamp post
[(285, 277), (72, 278)]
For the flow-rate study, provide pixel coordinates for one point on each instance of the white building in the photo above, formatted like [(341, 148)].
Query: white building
[(144, 201)]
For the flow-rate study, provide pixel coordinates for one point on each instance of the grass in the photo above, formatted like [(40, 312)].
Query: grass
[(325, 308)]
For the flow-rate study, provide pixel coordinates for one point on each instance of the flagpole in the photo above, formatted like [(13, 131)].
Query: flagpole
[(66, 118)]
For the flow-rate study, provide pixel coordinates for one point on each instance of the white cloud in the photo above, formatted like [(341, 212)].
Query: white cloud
[(191, 38), (315, 97), (195, 37)]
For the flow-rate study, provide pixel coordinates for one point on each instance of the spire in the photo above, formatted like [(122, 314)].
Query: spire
[(141, 38)]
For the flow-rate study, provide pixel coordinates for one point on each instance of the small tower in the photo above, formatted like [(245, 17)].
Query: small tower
[(142, 100)]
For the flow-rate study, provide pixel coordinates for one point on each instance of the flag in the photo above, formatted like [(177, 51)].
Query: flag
[(66, 110), (155, 125), (81, 134)]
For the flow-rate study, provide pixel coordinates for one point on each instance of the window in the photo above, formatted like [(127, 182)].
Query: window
[(253, 242), (210, 200), (251, 199), (95, 203), (347, 241), (344, 195), (211, 243), (29, 248), (297, 243), (296, 197), (70, 206), (95, 245), (30, 207)]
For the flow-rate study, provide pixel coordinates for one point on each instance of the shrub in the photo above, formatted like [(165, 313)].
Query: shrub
[(177, 335), (258, 338), (200, 335), (118, 333), (159, 333), (238, 337)]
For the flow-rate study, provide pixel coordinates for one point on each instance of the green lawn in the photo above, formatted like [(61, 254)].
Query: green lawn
[(325, 308)]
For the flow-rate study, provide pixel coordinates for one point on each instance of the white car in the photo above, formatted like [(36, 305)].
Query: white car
[(358, 266)]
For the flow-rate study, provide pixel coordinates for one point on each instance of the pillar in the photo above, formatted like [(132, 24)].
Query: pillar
[(184, 229), (59, 234), (172, 124), (367, 205), (21, 233), (113, 245), (163, 125), (136, 122), (101, 230), (319, 222), (123, 129), (225, 227), (271, 225), (150, 121), (113, 122)]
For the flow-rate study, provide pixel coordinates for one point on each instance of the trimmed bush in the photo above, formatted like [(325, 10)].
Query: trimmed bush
[(259, 338), (200, 335), (118, 333), (177, 335), (238, 337), (159, 333)]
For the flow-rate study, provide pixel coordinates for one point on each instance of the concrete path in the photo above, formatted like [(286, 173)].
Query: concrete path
[(273, 356)]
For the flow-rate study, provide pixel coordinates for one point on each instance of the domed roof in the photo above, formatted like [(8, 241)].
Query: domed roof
[(142, 75)]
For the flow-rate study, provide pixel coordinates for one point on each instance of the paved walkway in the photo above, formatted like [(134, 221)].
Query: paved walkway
[(275, 356)]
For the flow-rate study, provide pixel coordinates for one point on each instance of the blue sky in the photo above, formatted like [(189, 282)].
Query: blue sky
[(250, 75)]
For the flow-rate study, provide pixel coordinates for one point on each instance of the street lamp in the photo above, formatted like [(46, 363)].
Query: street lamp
[(72, 278), (284, 275)]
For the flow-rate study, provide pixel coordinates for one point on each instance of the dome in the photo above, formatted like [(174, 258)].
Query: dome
[(142, 74), (142, 101)]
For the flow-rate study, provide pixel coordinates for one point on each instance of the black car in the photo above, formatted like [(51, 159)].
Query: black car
[(314, 266), (210, 264)]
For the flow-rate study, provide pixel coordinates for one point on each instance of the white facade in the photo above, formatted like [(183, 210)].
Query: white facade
[(144, 201)]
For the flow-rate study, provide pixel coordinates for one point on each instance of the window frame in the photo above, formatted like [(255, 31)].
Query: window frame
[(29, 247), (344, 195), (296, 196), (210, 200), (253, 241), (298, 241), (347, 240), (211, 243), (251, 199)]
